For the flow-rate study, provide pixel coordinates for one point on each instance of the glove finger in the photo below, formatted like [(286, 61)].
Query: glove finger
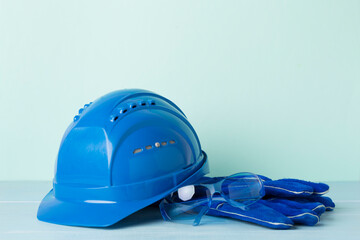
[(256, 213), (326, 201), (298, 216), (281, 188), (316, 207), (263, 178), (318, 188)]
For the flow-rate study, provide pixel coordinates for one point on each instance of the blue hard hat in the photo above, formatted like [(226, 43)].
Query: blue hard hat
[(123, 152)]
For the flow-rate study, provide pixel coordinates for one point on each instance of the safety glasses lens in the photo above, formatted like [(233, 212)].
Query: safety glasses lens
[(188, 204), (242, 189)]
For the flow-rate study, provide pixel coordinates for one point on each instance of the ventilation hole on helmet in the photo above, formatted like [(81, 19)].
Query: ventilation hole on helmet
[(137, 150), (115, 118), (163, 143), (133, 106), (152, 103), (148, 147), (143, 104), (171, 141), (123, 111)]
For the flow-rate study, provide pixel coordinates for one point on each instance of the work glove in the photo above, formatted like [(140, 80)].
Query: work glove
[(286, 202)]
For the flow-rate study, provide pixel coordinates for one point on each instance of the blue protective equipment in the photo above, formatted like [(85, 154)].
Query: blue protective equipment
[(123, 152), (191, 202), (286, 202)]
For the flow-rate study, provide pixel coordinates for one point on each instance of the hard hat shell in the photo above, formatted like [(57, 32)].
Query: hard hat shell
[(123, 152)]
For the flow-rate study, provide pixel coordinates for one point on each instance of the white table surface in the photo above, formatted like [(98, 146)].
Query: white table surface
[(19, 202)]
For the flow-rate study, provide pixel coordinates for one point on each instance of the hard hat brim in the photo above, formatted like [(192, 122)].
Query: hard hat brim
[(102, 213)]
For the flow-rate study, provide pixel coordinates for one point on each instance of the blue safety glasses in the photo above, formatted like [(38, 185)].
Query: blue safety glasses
[(193, 201)]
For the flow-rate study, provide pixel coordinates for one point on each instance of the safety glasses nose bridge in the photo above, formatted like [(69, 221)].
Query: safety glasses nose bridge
[(214, 188)]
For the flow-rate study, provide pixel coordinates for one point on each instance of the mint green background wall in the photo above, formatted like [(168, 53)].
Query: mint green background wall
[(271, 87)]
